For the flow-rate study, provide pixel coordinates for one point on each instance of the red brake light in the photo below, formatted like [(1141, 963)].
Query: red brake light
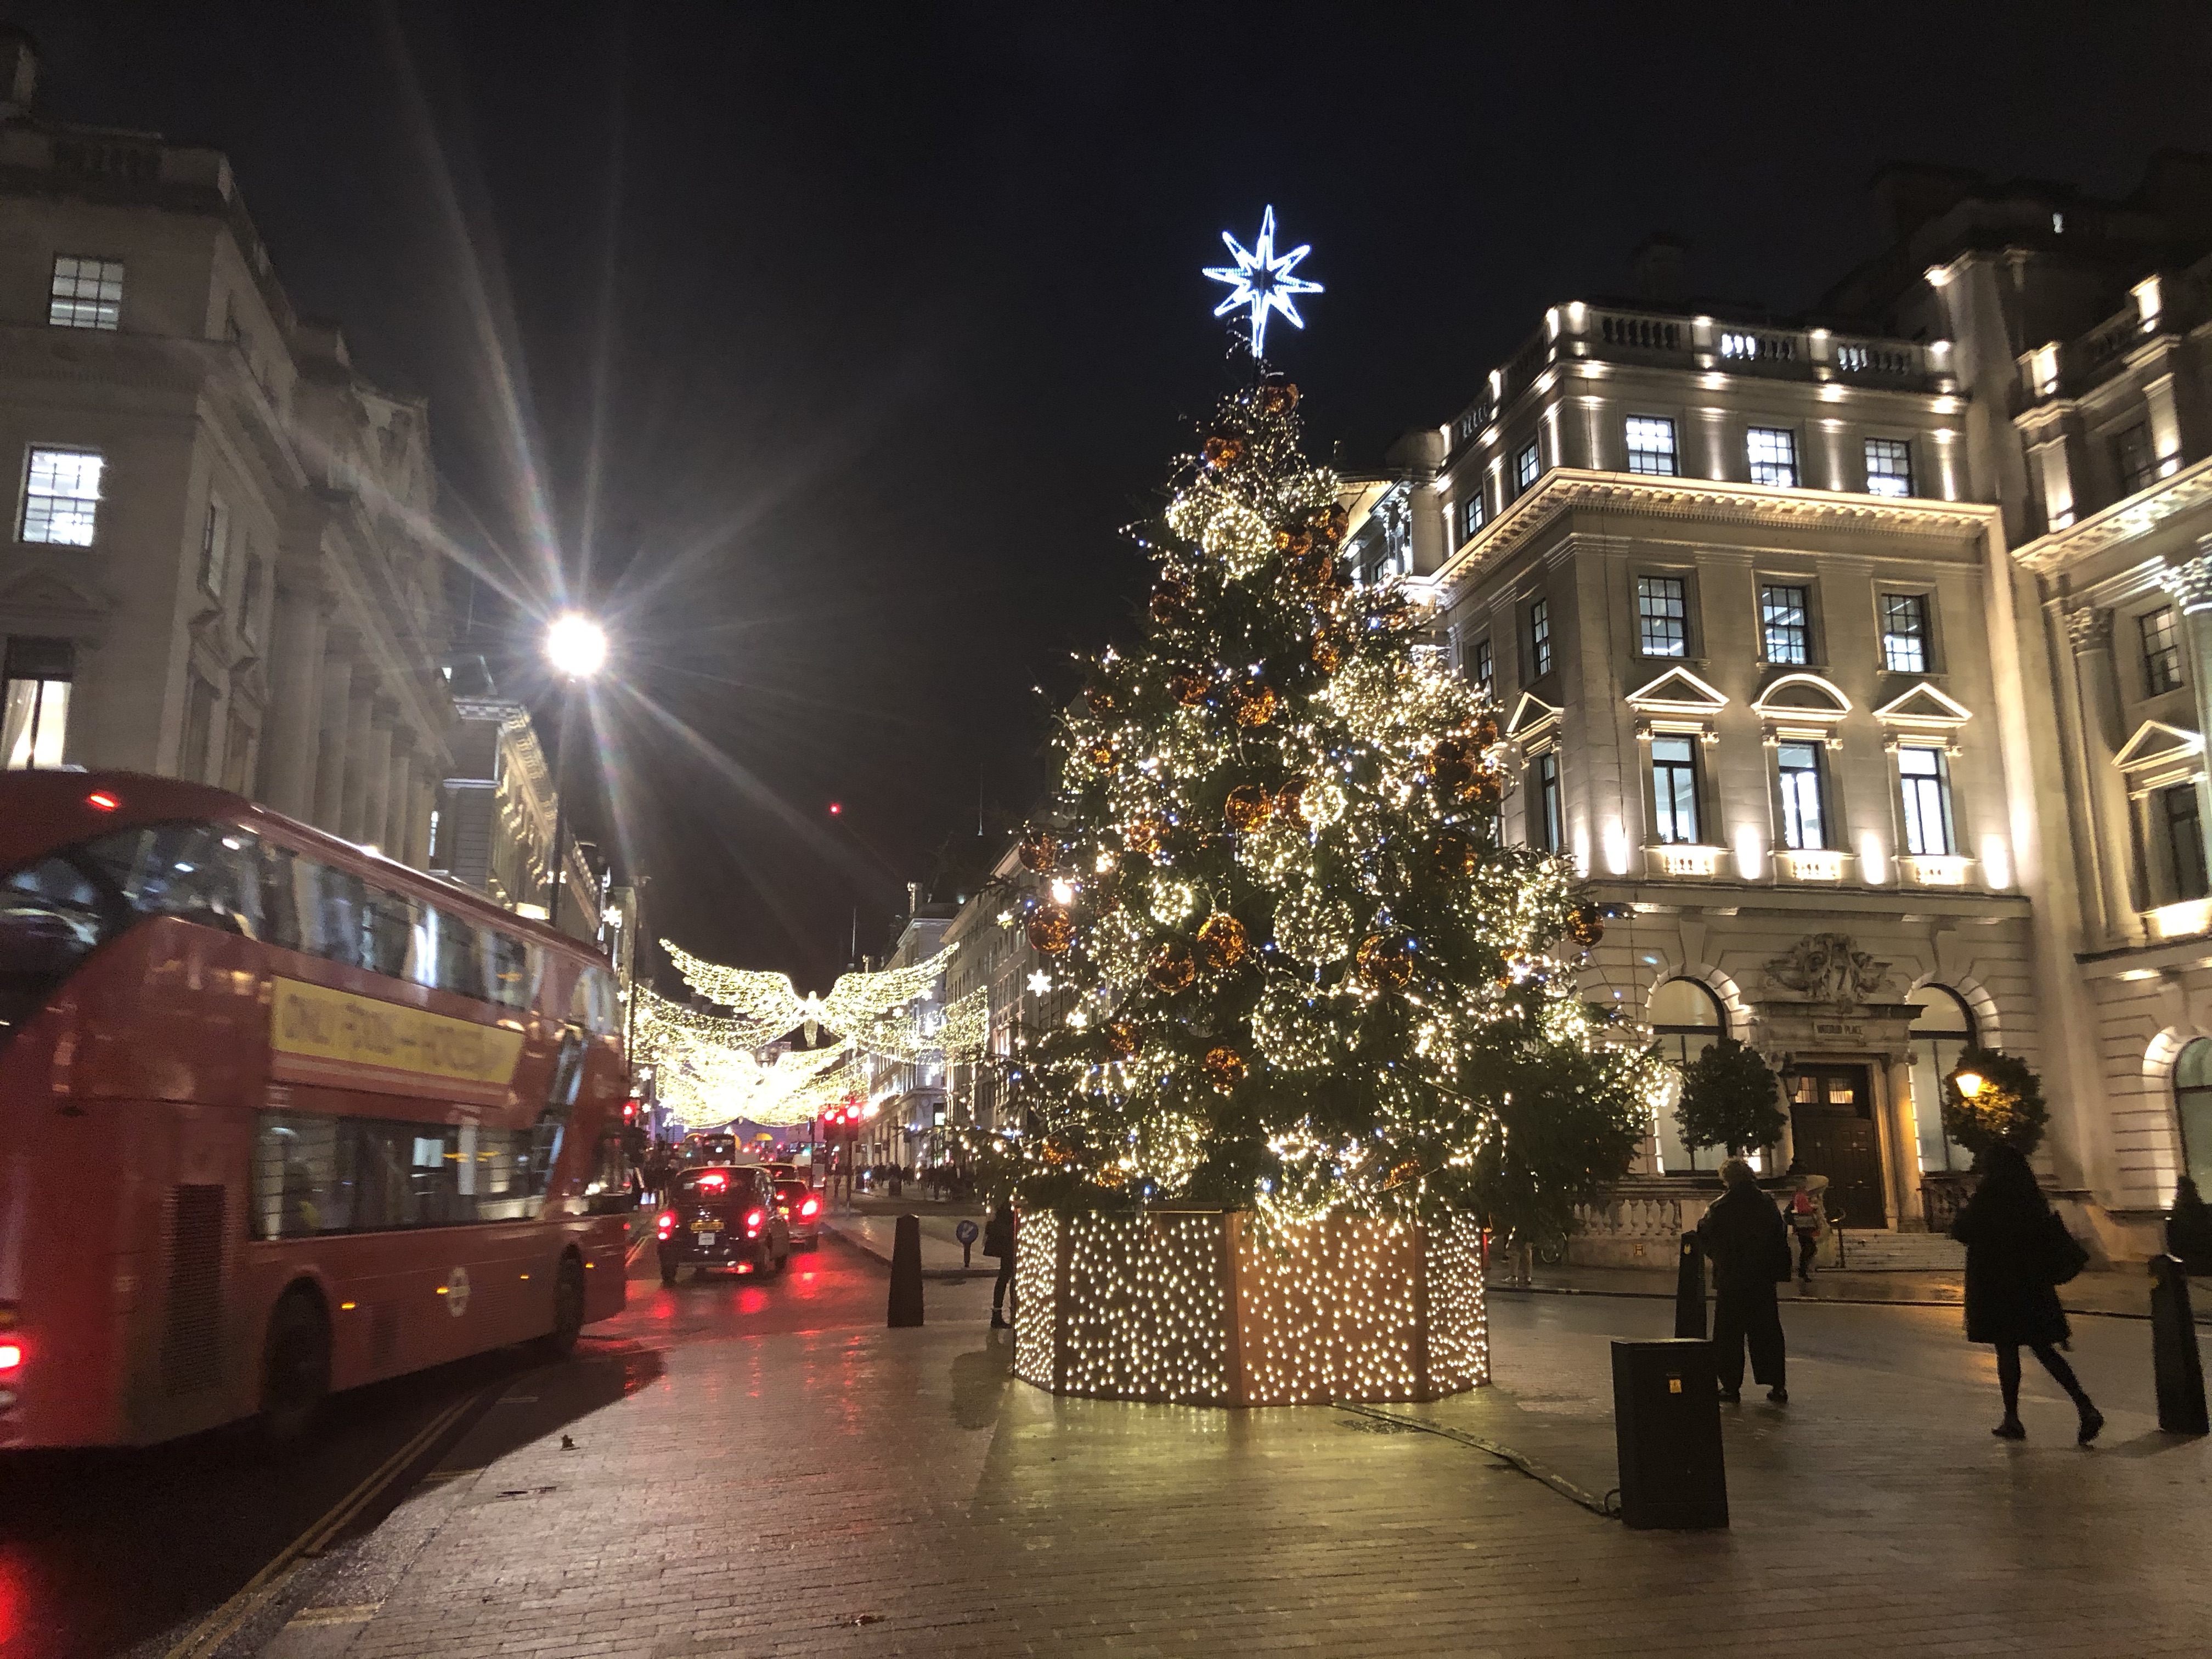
[(812, 1206), (665, 1221), (100, 801), (713, 1183), (11, 1356), (756, 1218)]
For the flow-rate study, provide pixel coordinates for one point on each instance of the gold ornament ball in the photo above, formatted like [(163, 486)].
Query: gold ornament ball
[(1171, 606), (1039, 850), (1586, 925), (1486, 787), (1051, 929), (1225, 1066), (1188, 687), (1255, 704), (1121, 1039), (1223, 941), (1144, 835), (1224, 452), (1453, 764), (1291, 798), (1248, 807), (1453, 855), (1384, 960), (1172, 966), (1101, 699), (1326, 655), (1486, 732), (1276, 397), (1102, 755)]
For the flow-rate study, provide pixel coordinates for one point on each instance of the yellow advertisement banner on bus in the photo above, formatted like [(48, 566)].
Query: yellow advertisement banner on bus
[(335, 1038)]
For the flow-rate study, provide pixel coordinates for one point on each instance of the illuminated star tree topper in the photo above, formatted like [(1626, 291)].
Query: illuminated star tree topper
[(1261, 280)]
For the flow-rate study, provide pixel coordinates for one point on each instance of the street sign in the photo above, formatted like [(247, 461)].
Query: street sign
[(965, 1232)]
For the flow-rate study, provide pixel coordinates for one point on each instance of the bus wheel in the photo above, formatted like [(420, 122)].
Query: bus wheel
[(567, 1308), (296, 1370)]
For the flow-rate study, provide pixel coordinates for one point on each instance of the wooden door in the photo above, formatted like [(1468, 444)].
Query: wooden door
[(1832, 1126)]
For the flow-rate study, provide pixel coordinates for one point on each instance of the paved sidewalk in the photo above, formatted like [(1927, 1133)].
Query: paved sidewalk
[(2123, 1292), (940, 1250), (864, 1492)]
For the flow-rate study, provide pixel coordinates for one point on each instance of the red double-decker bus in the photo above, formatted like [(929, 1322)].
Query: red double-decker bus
[(277, 1116)]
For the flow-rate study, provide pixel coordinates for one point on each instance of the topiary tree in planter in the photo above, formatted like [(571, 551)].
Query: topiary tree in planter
[(2006, 1104), (1730, 1097)]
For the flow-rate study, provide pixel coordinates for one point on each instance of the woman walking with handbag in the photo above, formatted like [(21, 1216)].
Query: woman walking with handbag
[(2018, 1253)]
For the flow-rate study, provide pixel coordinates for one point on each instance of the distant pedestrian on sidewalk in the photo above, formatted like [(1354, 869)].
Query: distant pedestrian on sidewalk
[(1745, 1238), (1808, 1220), (2013, 1274), (999, 1241), (2189, 1229)]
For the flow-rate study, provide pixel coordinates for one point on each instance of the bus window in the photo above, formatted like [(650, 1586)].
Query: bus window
[(339, 900), (459, 970), (387, 927), (507, 970), (196, 871), (280, 898), (51, 917), (593, 1003)]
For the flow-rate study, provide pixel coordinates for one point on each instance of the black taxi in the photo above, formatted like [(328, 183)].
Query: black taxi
[(723, 1216)]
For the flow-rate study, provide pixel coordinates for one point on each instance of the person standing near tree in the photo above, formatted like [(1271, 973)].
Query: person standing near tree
[(999, 1240), (2013, 1274), (1744, 1237), (1808, 1220)]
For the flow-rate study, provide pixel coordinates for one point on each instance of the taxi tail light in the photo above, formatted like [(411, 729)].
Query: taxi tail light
[(100, 801), (811, 1207), (755, 1219), (11, 1356), (666, 1221)]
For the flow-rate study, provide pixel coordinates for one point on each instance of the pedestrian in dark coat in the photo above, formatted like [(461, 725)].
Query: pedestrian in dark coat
[(2012, 1288), (999, 1240), (2189, 1229), (1745, 1239)]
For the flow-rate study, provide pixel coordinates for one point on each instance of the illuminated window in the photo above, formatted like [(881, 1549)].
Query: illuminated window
[(34, 715), (1905, 633), (86, 293), (1686, 1019), (1652, 446), (1784, 618), (2182, 820), (1662, 617), (1943, 1029), (1485, 667), (2161, 649), (1539, 639), (1888, 466), (1545, 826), (2131, 454), (1774, 454), (61, 496), (1674, 789), (1471, 514), (1526, 465), (1803, 828), (1927, 785)]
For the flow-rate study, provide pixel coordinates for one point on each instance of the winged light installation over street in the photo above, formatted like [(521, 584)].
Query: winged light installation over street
[(1263, 280)]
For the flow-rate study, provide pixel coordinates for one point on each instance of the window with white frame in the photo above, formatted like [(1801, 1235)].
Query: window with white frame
[(1652, 446), (61, 495), (34, 705), (86, 293), (1674, 789), (1472, 513), (215, 546), (1773, 452), (1526, 466), (2161, 651), (1804, 828), (1485, 667), (1546, 827), (1662, 617), (1888, 466), (1925, 776), (1785, 623), (1539, 639), (1905, 633), (2183, 821)]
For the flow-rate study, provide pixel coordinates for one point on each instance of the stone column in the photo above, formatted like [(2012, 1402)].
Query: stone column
[(397, 835), (363, 768), (376, 792), (2105, 791), (2191, 584), (293, 731), (1899, 1145), (336, 757)]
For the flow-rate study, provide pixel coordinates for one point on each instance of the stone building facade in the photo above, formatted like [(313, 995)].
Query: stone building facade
[(1802, 632), (218, 566)]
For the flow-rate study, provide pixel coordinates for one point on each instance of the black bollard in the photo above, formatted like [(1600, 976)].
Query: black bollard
[(906, 1272), (2174, 1360), (1690, 1291), (1667, 1426)]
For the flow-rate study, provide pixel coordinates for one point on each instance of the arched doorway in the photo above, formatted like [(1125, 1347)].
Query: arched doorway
[(1687, 1019), (1943, 1029), (2193, 1106)]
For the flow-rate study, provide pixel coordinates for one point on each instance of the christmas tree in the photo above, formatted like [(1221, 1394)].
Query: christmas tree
[(1309, 974)]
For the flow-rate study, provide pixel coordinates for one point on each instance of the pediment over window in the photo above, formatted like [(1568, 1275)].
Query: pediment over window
[(1923, 705), (1803, 696), (1678, 691), (41, 601), (2156, 743), (1530, 716)]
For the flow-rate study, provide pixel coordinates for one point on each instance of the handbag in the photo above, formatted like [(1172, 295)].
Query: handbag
[(2065, 1256)]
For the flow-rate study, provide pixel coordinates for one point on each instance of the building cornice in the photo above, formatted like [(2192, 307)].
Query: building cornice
[(1569, 490), (2187, 491)]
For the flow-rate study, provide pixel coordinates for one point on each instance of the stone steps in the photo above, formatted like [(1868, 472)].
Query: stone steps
[(1898, 1253)]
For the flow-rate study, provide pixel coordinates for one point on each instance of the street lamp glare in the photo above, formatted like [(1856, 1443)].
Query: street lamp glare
[(576, 645), (1969, 1084)]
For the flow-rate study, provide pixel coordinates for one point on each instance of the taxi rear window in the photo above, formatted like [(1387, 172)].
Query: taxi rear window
[(715, 1184), (792, 1189)]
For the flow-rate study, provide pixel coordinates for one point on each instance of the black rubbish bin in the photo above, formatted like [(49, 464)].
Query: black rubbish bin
[(1666, 1422)]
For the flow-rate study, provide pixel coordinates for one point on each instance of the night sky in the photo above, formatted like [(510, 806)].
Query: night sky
[(839, 341)]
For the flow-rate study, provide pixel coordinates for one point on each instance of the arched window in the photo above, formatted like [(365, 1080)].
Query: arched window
[(1687, 1019), (2192, 1104), (1943, 1029)]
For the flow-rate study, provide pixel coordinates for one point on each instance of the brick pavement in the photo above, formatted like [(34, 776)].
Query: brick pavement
[(2123, 1291), (764, 1495)]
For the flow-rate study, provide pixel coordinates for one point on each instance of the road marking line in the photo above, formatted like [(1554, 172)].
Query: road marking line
[(212, 1632), (357, 1613)]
